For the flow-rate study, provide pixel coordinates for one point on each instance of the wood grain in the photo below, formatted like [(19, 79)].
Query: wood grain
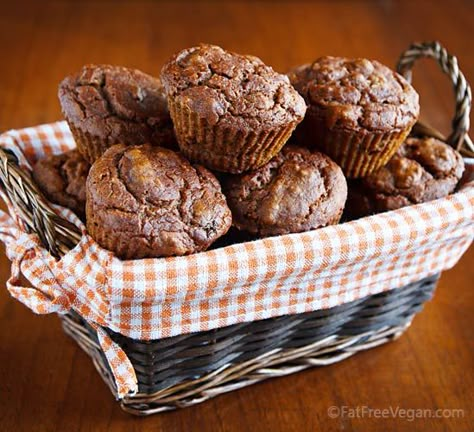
[(48, 384)]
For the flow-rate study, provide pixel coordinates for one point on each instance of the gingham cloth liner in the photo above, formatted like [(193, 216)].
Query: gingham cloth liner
[(156, 298)]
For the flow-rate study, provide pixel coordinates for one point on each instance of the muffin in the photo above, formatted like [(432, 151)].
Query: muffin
[(62, 179), (106, 105), (423, 169), (231, 112), (359, 111), (298, 190), (148, 201)]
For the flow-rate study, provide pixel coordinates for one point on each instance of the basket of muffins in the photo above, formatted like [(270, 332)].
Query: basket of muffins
[(223, 223)]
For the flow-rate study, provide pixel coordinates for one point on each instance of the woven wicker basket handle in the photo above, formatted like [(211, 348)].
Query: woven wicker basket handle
[(459, 138)]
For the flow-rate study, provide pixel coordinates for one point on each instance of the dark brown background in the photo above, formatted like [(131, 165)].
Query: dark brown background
[(48, 384)]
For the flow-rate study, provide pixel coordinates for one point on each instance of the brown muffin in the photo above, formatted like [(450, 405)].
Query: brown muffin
[(62, 179), (359, 111), (296, 191), (147, 201), (231, 112), (106, 105), (423, 169)]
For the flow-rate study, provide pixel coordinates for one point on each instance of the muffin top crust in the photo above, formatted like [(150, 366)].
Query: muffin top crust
[(62, 178), (357, 93), (152, 202), (117, 104), (298, 190), (230, 88)]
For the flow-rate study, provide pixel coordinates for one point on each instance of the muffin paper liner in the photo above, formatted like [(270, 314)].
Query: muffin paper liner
[(358, 152), (225, 148), (88, 145)]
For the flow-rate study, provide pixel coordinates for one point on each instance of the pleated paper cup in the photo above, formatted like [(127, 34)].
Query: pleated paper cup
[(357, 152), (90, 146), (225, 148)]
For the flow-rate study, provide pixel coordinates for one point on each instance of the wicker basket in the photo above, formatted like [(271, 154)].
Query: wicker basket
[(183, 370)]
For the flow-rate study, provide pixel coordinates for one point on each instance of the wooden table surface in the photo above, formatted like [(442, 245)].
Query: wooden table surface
[(48, 384)]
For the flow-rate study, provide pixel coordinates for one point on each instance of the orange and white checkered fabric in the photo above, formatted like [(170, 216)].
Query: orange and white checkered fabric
[(157, 298)]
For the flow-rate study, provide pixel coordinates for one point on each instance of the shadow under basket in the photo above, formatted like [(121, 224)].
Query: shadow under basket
[(185, 370)]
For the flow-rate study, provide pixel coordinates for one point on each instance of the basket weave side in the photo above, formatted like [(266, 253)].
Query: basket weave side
[(184, 370)]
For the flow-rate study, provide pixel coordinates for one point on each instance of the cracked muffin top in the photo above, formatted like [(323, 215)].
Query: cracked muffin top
[(117, 105), (148, 201), (423, 169), (298, 190), (62, 178), (357, 93), (229, 88)]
